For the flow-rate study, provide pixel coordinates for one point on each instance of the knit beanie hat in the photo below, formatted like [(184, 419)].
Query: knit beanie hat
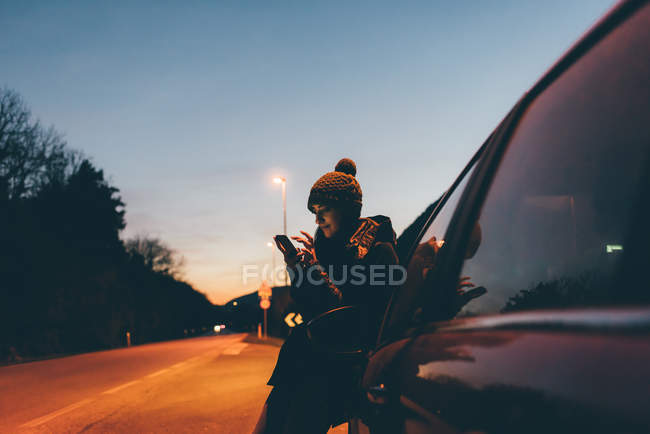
[(339, 189)]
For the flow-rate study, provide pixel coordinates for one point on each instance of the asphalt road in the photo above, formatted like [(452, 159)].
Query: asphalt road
[(207, 384)]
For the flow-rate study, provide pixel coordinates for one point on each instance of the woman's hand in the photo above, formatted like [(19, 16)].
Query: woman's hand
[(291, 258), (306, 254)]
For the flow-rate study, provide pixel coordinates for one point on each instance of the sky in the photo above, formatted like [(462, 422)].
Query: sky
[(192, 107)]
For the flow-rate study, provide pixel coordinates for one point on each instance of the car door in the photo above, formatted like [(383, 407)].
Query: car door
[(405, 304), (553, 225)]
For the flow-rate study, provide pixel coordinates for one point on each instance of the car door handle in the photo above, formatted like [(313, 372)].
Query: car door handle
[(377, 395)]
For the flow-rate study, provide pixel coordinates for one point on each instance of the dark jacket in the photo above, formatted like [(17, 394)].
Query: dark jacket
[(371, 241), (346, 259)]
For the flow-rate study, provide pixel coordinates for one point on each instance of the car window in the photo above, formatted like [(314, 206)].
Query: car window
[(405, 302), (555, 224)]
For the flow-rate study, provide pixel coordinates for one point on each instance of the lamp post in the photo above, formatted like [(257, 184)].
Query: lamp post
[(264, 296), (283, 181), (269, 244)]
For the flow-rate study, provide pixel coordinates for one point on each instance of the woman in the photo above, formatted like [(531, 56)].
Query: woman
[(332, 269)]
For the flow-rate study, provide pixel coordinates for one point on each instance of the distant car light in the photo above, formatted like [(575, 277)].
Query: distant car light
[(217, 328)]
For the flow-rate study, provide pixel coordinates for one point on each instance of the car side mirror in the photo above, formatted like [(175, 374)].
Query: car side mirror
[(338, 331)]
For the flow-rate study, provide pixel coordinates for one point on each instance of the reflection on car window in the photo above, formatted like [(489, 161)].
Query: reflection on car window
[(405, 306), (555, 221)]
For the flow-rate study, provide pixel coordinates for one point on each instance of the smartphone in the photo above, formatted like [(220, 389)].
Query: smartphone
[(284, 241)]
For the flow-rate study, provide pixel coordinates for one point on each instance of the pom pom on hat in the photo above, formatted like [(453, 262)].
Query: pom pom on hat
[(347, 166)]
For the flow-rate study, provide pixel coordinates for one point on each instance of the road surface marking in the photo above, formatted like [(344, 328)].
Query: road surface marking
[(178, 365), (234, 350), (155, 374), (118, 388), (41, 420)]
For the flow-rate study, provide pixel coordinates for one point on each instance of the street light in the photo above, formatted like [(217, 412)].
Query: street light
[(269, 244), (283, 181)]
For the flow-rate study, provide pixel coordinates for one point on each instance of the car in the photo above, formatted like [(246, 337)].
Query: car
[(526, 308)]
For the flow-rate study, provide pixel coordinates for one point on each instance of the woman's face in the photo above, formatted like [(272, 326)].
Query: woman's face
[(328, 219)]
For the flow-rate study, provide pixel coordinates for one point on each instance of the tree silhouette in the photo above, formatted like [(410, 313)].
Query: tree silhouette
[(589, 288), (67, 281), (155, 254), (30, 155)]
